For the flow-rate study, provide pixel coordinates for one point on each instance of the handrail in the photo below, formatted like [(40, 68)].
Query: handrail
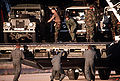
[(113, 9)]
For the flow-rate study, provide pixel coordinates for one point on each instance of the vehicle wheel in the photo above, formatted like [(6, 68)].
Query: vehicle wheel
[(66, 72), (117, 72), (34, 37), (57, 77), (72, 75), (5, 38), (104, 74)]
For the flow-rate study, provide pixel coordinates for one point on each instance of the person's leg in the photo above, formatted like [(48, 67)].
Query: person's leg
[(53, 75), (72, 33), (87, 71), (62, 74), (92, 71), (56, 36), (17, 67), (57, 28), (72, 36), (91, 38), (87, 34), (91, 33)]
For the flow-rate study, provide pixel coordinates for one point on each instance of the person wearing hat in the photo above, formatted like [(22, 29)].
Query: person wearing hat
[(71, 25), (16, 56), (57, 24), (56, 63)]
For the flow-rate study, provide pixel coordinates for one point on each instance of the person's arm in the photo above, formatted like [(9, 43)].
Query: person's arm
[(73, 25), (22, 55), (53, 60), (67, 24), (51, 18), (11, 55), (60, 54), (84, 54), (96, 54)]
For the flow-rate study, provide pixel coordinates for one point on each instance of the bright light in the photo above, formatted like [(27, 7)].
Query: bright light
[(7, 24), (30, 24), (17, 15)]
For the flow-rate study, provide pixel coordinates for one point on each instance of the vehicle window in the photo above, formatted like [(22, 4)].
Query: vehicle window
[(76, 14)]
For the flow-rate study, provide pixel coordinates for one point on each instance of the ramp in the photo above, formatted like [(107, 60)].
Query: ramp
[(32, 64)]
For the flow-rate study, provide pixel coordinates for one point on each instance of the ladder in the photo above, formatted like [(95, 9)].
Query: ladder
[(113, 8)]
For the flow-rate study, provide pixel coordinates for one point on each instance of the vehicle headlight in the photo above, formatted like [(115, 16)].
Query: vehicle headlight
[(17, 15), (7, 24), (31, 24)]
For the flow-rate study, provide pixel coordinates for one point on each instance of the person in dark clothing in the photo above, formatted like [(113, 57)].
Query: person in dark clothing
[(56, 62), (28, 55), (57, 24), (16, 56), (90, 56)]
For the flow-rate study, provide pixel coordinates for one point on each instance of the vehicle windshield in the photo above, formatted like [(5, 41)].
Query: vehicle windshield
[(22, 13), (77, 14)]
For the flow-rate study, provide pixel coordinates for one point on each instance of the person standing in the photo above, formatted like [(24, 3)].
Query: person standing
[(57, 24), (90, 56), (16, 56), (114, 25), (56, 62), (90, 23), (71, 25), (27, 54)]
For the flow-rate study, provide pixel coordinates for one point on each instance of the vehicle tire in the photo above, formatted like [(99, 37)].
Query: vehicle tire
[(117, 72), (57, 77), (34, 37), (104, 74), (66, 72), (5, 38), (76, 75), (72, 75)]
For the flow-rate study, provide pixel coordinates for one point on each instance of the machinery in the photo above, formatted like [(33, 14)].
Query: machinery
[(72, 58), (22, 22), (114, 7)]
